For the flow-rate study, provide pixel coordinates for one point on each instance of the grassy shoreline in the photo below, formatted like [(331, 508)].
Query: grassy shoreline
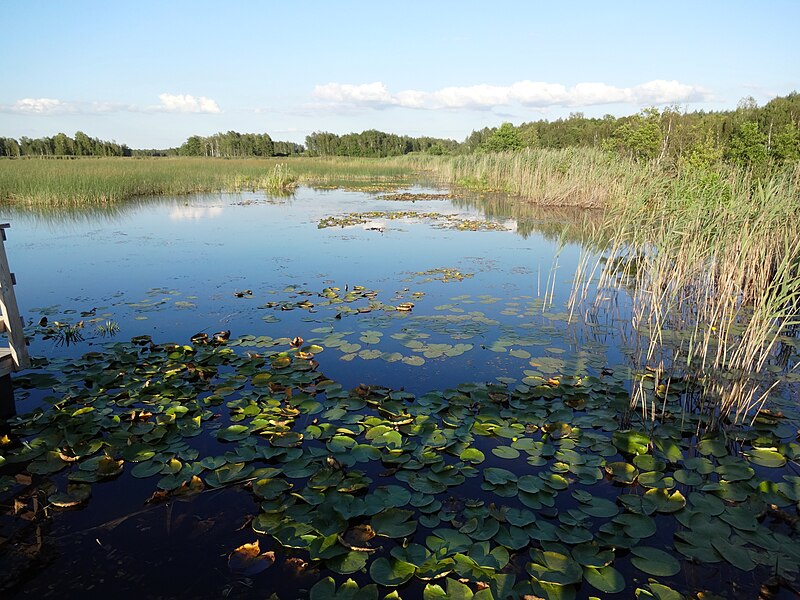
[(72, 183)]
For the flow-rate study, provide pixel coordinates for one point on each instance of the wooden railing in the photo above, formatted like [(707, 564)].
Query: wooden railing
[(15, 356)]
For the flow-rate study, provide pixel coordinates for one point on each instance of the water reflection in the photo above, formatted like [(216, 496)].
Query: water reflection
[(568, 224), (181, 213)]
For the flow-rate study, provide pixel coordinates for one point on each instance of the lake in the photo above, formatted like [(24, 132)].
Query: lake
[(465, 427)]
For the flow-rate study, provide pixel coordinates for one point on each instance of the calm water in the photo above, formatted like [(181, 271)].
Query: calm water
[(488, 306), (170, 268)]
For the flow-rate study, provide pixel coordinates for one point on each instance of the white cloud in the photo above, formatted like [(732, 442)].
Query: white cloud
[(474, 96), (171, 103), (188, 104), (527, 93), (38, 106), (664, 92), (345, 93)]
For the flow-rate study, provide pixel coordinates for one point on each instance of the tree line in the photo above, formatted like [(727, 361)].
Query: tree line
[(236, 145), (62, 145), (221, 145), (374, 143), (749, 135)]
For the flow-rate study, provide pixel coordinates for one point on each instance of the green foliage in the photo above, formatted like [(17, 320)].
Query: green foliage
[(786, 146), (228, 145), (640, 137), (748, 146), (374, 143), (702, 155), (696, 141), (504, 139), (61, 145)]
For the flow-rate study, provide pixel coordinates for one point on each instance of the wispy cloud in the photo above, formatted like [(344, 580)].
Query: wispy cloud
[(537, 94), (169, 103)]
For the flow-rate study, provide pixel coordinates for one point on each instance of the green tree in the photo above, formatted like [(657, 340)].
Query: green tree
[(640, 137), (63, 145), (786, 146), (748, 145), (505, 138)]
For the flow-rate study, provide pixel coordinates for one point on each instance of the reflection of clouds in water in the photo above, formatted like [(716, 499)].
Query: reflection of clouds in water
[(182, 213), (374, 225)]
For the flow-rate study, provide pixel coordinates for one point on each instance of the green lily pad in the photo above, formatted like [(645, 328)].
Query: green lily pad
[(590, 555), (554, 567), (622, 472), (631, 442), (351, 562), (764, 457), (394, 523), (325, 589), (233, 433), (737, 555), (654, 561), (505, 452), (472, 455), (390, 573), (606, 579)]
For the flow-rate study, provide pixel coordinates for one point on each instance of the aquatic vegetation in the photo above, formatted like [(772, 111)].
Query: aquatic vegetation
[(538, 488), (439, 219), (582, 177), (444, 274), (279, 180), (711, 264), (108, 328), (64, 334), (538, 478), (415, 196)]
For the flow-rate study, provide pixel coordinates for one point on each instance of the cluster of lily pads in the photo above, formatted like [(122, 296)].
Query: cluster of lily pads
[(413, 197), (375, 339), (444, 274), (440, 220), (548, 487)]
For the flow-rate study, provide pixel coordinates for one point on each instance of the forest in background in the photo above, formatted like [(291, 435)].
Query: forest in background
[(749, 135)]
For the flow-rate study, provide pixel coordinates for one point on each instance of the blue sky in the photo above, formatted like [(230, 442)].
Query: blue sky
[(152, 73)]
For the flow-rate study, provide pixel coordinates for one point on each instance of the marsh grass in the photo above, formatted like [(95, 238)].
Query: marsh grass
[(93, 181), (711, 262), (576, 177)]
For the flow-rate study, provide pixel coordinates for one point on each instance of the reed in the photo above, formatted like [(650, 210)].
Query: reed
[(577, 177), (89, 181), (711, 262)]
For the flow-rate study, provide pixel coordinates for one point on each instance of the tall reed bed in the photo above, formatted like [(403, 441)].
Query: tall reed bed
[(579, 177), (108, 180), (712, 263)]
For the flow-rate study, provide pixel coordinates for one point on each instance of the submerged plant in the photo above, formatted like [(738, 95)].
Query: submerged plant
[(107, 329), (64, 334)]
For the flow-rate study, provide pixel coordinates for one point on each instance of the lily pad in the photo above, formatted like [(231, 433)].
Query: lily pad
[(654, 561), (606, 579), (390, 573), (248, 559)]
